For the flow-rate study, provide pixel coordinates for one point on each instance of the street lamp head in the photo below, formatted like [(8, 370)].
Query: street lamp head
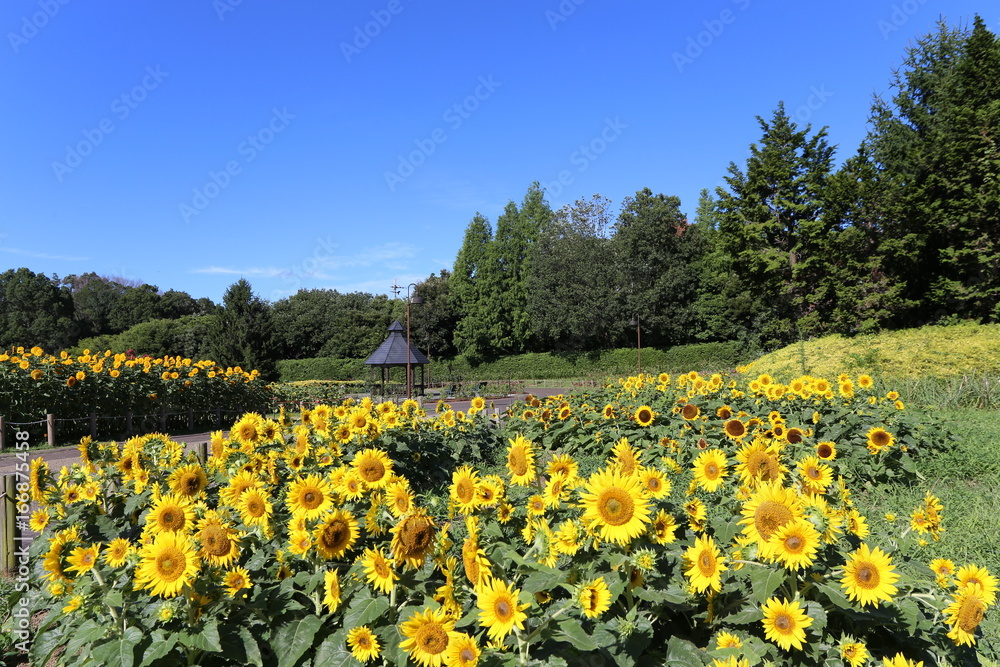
[(634, 322), (417, 299)]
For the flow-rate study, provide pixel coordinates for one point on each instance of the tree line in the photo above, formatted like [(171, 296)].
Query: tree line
[(903, 233)]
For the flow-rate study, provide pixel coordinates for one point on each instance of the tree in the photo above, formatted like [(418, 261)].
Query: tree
[(935, 155), (658, 257), (34, 310), (174, 304), (242, 332), (471, 336), (771, 227), (94, 297), (573, 299), (433, 321), (136, 305)]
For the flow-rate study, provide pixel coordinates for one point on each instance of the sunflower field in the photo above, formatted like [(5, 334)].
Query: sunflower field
[(655, 521), (33, 384)]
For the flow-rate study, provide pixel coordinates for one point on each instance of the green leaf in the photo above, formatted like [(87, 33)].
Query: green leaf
[(571, 630), (745, 616), (87, 633), (364, 610), (250, 647), (543, 579), (835, 595), (160, 645), (205, 640), (682, 652), (765, 581), (294, 639), (333, 651)]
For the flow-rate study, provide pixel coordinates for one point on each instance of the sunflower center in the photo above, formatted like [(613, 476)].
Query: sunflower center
[(335, 535), (311, 499), (191, 484), (467, 654), (880, 438), (824, 451), (615, 506), (867, 576), (381, 569), (372, 470), (711, 471), (970, 614), (689, 411), (432, 638), (255, 507), (466, 491), (363, 643), (416, 534), (170, 564), (503, 610), (783, 623), (794, 543), (813, 472), (215, 541), (769, 517), (517, 462), (172, 520), (706, 563), (653, 484)]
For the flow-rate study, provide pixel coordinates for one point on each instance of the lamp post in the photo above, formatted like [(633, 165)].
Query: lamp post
[(416, 298), (638, 339)]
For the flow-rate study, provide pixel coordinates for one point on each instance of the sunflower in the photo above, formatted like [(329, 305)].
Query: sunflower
[(567, 538), (39, 520), (536, 505), (310, 496), (219, 546), (255, 507), (463, 489), (428, 634), (728, 640), (351, 485), (710, 469), (655, 483), (38, 478), (869, 576), (117, 552), (363, 644), (170, 513), (664, 528), (594, 598), (615, 505), (500, 613), (697, 513), (854, 653), (943, 568), (759, 463), (900, 660), (246, 431), (331, 590), (168, 564), (398, 497), (608, 412), (299, 542), (378, 569), (462, 651), (785, 623), (816, 476), (770, 508), (474, 561), (795, 544), (188, 481), (336, 534), (971, 574), (704, 565), (413, 540), (965, 613), (826, 450), (236, 580), (563, 464), (83, 559), (239, 483), (735, 429), (626, 458), (374, 466), (644, 415), (879, 440), (521, 461)]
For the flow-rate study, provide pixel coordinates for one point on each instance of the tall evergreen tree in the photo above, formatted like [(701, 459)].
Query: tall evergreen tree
[(935, 154), (772, 229), (242, 333), (34, 310), (471, 337)]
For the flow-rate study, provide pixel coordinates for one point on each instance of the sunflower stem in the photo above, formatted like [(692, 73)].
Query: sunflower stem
[(104, 591)]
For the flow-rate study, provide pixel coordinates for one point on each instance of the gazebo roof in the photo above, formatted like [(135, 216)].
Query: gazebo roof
[(393, 350)]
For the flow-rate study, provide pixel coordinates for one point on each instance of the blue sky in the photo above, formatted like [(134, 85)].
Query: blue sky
[(347, 145)]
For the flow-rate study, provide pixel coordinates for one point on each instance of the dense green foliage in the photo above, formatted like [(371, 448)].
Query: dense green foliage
[(242, 334)]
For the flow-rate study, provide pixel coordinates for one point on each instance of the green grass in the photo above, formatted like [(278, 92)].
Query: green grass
[(967, 481)]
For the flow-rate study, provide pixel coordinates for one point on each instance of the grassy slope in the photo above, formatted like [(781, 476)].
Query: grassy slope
[(928, 351), (967, 481)]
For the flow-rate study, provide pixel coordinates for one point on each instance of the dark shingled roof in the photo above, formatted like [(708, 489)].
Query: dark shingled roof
[(392, 351)]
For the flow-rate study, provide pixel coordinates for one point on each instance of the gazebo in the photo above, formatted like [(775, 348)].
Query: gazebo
[(395, 352)]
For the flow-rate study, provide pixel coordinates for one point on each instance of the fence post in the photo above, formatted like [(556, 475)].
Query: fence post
[(3, 433), (93, 425), (163, 418), (201, 451), (50, 427), (128, 423), (8, 510)]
